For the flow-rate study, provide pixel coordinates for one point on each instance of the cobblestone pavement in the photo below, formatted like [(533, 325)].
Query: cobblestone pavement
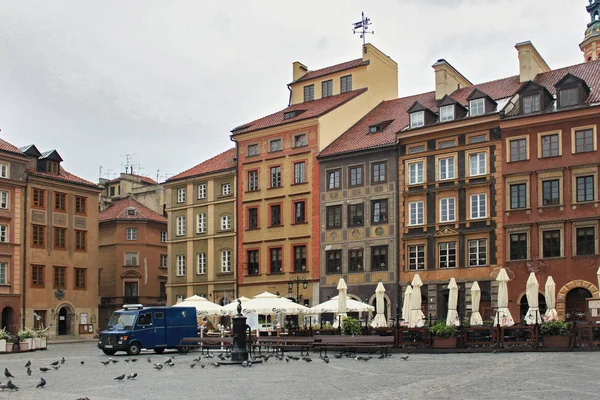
[(423, 376)]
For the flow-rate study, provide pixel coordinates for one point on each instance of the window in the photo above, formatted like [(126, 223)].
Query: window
[(356, 214), (379, 258), (131, 294), (39, 198), (60, 201), (568, 97), (131, 211), (226, 261), (275, 145), (446, 113), (355, 174), (300, 140), (333, 261), (299, 258), (300, 172), (550, 145), (164, 261), (79, 278), (379, 208), (132, 259), (334, 217), (378, 172), (477, 139), (275, 257), (181, 195), (253, 266), (586, 241), (163, 237), (447, 144), (416, 213), (416, 149), (477, 252), (518, 150), (291, 114), (276, 215), (252, 181), (226, 189), (518, 195), (275, 177), (201, 191), (446, 166), (417, 119), (131, 233), (180, 231), (52, 167), (3, 170), (416, 173), (200, 263), (162, 291), (112, 191), (416, 257), (38, 232), (447, 211), (60, 238), (37, 276), (550, 192), (375, 128), (333, 179), (585, 188), (4, 233), (477, 164), (309, 93), (299, 212), (355, 260), (201, 223), (327, 88), (3, 273), (447, 254), (180, 265), (59, 277), (479, 206), (253, 150), (80, 205), (346, 83), (226, 222), (476, 107), (253, 218), (518, 246), (584, 141), (531, 104), (3, 200), (551, 243)]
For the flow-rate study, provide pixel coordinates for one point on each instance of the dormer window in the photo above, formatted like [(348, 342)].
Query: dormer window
[(417, 119), (131, 211), (571, 91), (531, 104), (375, 128), (289, 114), (568, 97), (476, 107), (52, 167), (446, 113)]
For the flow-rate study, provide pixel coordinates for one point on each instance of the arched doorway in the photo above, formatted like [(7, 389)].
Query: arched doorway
[(64, 321), (575, 304), (524, 306), (7, 316)]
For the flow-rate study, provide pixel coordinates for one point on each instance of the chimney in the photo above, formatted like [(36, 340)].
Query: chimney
[(447, 79), (298, 70), (531, 62)]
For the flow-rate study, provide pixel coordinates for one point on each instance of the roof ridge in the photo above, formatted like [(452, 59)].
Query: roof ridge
[(205, 162)]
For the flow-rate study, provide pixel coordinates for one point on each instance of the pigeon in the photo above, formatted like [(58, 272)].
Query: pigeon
[(82, 362), (404, 357), (105, 362), (149, 360), (133, 359), (326, 360), (28, 364), (307, 359), (44, 369), (28, 371), (56, 367), (62, 360), (338, 356), (192, 365), (42, 383), (55, 363), (7, 373), (197, 359), (120, 377), (220, 357), (157, 366), (133, 375), (295, 358), (127, 360), (169, 361), (202, 365), (267, 358), (2, 386), (381, 356), (496, 351), (249, 365), (115, 361), (11, 386), (83, 398), (209, 356), (287, 359), (216, 364), (245, 364)]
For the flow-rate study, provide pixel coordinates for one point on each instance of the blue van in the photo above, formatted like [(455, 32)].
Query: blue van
[(136, 327)]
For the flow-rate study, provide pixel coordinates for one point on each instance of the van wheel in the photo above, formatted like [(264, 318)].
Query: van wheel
[(109, 352), (134, 349), (159, 350)]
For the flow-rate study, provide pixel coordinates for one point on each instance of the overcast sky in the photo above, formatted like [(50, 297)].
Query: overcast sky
[(167, 80)]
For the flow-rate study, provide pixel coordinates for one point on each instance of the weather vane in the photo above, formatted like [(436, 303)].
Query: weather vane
[(362, 27)]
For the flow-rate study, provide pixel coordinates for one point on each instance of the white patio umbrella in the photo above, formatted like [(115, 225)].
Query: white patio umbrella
[(533, 314), (203, 306), (332, 306), (231, 308), (550, 293), (476, 319), (342, 291), (416, 315), (269, 304), (598, 275), (379, 320), (503, 314), (452, 316), (406, 305)]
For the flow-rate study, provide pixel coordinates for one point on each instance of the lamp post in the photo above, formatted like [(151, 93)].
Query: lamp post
[(298, 281)]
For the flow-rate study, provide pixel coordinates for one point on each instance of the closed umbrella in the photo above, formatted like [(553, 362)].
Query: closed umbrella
[(416, 315), (503, 316), (203, 306), (476, 319), (452, 316), (406, 305), (533, 314), (550, 293), (598, 275), (342, 291), (379, 320)]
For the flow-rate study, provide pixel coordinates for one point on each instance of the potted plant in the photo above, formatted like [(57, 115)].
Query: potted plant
[(555, 334), (26, 339), (10, 342), (41, 338), (350, 326), (443, 335), (4, 336)]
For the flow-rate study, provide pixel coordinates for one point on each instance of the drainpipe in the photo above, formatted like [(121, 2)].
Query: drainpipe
[(24, 269), (236, 293)]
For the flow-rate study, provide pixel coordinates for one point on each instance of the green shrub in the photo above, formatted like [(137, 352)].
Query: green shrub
[(554, 328), (350, 326), (4, 335), (440, 329), (27, 334)]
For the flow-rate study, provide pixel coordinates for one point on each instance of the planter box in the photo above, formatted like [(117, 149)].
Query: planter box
[(24, 346), (43, 343), (9, 347), (3, 346), (37, 343), (556, 342), (444, 342)]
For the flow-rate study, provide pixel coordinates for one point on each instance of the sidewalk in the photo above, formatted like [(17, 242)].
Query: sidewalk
[(70, 339)]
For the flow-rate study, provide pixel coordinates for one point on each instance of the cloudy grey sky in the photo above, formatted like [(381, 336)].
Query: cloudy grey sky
[(168, 79)]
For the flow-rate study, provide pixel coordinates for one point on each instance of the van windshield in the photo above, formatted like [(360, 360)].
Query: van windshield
[(121, 321)]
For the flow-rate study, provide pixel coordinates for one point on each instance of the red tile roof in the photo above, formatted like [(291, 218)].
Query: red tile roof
[(118, 211), (64, 176), (331, 70), (5, 146), (310, 109), (589, 72), (222, 162), (145, 179)]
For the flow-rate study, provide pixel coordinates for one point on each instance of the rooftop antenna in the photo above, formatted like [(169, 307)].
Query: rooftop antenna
[(100, 172), (128, 161), (362, 27)]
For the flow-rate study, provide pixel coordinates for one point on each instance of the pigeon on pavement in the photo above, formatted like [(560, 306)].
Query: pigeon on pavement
[(44, 369), (28, 371), (42, 383), (28, 364), (133, 375), (82, 362), (7, 373), (11, 386), (2, 386), (62, 360), (54, 363), (120, 377), (105, 362)]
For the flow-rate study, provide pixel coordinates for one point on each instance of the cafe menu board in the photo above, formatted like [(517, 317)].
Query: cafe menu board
[(593, 309)]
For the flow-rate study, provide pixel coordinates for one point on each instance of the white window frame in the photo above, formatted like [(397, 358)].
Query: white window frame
[(132, 259), (160, 261), (478, 204), (275, 176), (3, 233), (477, 249), (3, 273), (180, 226), (226, 189), (448, 205), (419, 172), (201, 191), (476, 107), (181, 195), (226, 261), (300, 172), (3, 200), (417, 119), (445, 161), (201, 221), (226, 222), (475, 167), (180, 264), (252, 181), (447, 255), (200, 263), (4, 170), (131, 233), (416, 212), (447, 113), (164, 237), (415, 259)]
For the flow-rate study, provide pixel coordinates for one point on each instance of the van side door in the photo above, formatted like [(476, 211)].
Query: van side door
[(160, 332), (144, 330)]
